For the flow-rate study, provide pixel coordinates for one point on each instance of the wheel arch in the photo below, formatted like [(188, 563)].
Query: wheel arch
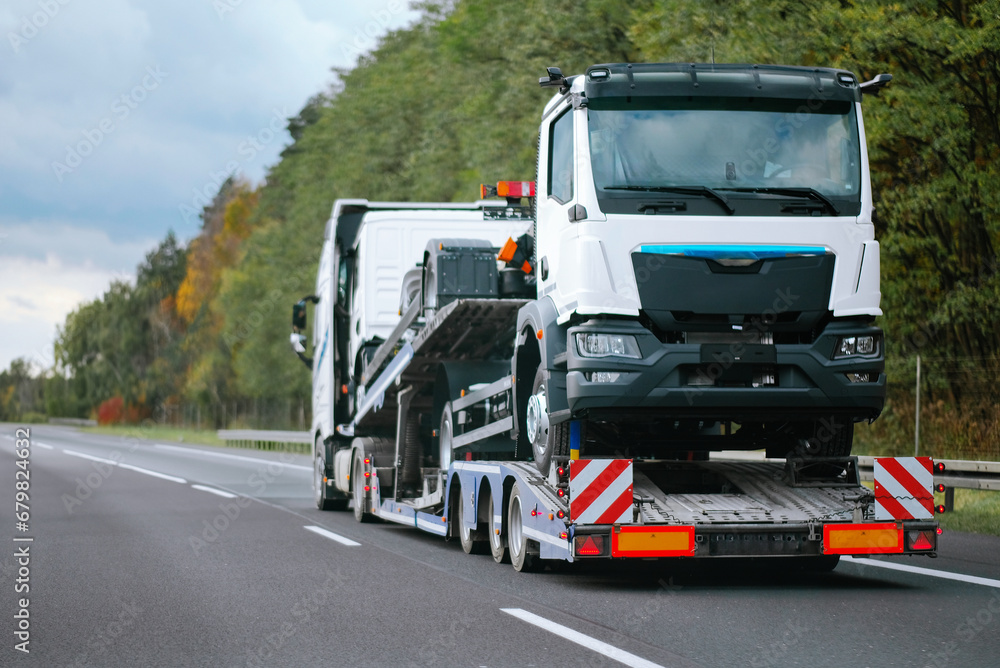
[(454, 492), (532, 352)]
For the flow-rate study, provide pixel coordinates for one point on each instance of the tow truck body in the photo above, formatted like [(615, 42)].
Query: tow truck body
[(555, 380)]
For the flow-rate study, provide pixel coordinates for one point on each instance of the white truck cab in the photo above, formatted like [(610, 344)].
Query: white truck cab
[(368, 250), (706, 260)]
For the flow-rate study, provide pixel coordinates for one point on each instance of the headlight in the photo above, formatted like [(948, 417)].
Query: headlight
[(607, 345), (855, 345)]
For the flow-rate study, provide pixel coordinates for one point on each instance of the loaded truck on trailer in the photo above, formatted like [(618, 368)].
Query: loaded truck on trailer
[(544, 376)]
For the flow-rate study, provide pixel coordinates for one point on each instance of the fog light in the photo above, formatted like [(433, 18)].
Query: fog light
[(859, 377), (603, 376)]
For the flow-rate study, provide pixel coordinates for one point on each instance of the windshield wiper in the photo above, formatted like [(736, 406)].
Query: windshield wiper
[(682, 190), (810, 193)]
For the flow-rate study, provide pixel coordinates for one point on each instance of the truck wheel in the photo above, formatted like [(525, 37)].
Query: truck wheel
[(358, 485), (320, 488), (471, 539), (546, 439), (497, 547), (829, 437), (522, 561), (445, 433)]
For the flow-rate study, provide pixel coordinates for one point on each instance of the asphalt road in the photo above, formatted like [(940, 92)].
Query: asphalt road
[(165, 554)]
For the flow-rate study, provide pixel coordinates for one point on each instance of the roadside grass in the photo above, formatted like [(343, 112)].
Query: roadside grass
[(159, 433), (976, 511)]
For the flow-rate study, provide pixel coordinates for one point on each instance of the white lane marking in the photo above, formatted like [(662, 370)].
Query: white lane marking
[(212, 490), (610, 651), (945, 575), (137, 469), (255, 460), (46, 446), (332, 536), (155, 474), (74, 453)]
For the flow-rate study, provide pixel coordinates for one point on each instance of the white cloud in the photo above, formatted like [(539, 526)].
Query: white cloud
[(64, 75), (48, 269)]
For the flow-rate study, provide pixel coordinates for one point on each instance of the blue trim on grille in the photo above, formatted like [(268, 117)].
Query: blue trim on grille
[(732, 251)]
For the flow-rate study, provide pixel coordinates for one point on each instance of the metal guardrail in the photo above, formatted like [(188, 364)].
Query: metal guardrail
[(961, 473), (261, 439), (73, 422)]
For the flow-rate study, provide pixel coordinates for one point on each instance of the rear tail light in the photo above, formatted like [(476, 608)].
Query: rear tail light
[(588, 546), (920, 540), (510, 189)]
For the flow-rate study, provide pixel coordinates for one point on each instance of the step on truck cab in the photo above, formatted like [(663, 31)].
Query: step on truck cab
[(545, 377)]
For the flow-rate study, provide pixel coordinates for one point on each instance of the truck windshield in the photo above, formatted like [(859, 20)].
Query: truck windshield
[(754, 146)]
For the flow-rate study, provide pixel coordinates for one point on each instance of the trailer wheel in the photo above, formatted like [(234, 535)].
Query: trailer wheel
[(320, 487), (495, 531), (358, 486), (520, 558), (471, 539), (547, 440)]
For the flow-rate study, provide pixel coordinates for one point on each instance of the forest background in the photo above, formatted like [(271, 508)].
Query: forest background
[(201, 337)]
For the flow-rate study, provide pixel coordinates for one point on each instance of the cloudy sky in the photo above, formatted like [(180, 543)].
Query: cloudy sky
[(119, 117)]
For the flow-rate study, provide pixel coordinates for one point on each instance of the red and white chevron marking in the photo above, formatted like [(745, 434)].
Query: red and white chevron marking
[(600, 491), (904, 488)]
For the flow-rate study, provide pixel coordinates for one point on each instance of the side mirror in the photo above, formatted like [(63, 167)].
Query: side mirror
[(875, 85), (299, 312), (299, 316), (297, 339)]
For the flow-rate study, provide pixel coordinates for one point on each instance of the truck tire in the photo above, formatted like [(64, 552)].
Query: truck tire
[(547, 440), (321, 491), (495, 531), (520, 551), (471, 539), (361, 513), (445, 433), (829, 437)]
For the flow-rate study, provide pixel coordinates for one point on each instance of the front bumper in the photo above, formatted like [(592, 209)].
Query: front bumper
[(729, 381)]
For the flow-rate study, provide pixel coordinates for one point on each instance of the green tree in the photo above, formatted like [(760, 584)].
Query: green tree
[(20, 391), (119, 344), (933, 136)]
